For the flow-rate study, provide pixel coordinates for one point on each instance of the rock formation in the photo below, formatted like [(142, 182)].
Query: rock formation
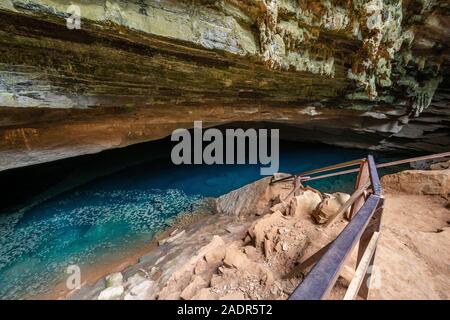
[(363, 73), (246, 255), (415, 232), (434, 182), (249, 253)]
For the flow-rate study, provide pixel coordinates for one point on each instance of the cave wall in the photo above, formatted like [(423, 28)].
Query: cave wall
[(370, 74)]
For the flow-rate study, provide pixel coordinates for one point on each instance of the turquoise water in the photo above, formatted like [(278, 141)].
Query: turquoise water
[(124, 210)]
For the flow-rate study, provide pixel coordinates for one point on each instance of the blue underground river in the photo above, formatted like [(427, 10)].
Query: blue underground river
[(120, 206)]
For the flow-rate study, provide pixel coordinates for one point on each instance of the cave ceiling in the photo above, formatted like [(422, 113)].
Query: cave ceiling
[(368, 74)]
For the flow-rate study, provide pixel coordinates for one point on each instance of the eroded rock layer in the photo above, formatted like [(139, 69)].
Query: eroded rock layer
[(365, 73)]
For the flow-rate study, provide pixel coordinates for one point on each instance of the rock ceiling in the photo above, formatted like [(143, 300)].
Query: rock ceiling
[(371, 74)]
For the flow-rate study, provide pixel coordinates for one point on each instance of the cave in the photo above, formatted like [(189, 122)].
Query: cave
[(91, 93)]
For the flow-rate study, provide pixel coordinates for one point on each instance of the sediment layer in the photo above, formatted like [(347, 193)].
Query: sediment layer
[(383, 62)]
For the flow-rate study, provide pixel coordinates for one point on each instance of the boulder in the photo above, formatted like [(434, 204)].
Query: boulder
[(111, 293), (215, 244), (114, 279), (329, 206), (251, 252), (201, 266), (234, 257), (193, 287), (254, 198), (258, 230), (430, 182), (247, 200), (214, 257), (305, 203)]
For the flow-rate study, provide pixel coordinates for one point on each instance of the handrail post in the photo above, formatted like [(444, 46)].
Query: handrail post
[(374, 226), (297, 185), (361, 180), (374, 178), (323, 275), (363, 230)]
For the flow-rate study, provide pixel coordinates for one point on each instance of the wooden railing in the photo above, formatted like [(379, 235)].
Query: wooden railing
[(366, 208)]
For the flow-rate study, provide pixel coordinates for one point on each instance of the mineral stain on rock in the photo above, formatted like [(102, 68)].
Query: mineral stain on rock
[(372, 72)]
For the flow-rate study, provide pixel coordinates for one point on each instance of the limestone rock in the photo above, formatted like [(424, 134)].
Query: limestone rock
[(266, 275), (115, 279), (111, 293), (169, 296), (249, 200), (193, 287), (233, 296), (329, 206), (214, 54), (181, 277), (145, 290), (251, 252), (247, 239), (279, 175), (258, 229), (305, 203), (201, 266), (278, 247), (267, 248), (215, 245), (234, 229), (135, 279), (236, 258), (205, 294), (440, 165), (282, 207), (431, 182), (171, 238), (214, 257)]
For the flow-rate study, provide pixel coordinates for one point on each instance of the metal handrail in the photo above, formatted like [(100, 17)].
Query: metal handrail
[(322, 277), (355, 162), (330, 259), (374, 178), (324, 169)]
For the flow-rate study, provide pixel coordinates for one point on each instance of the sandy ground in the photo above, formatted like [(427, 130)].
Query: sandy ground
[(413, 255)]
